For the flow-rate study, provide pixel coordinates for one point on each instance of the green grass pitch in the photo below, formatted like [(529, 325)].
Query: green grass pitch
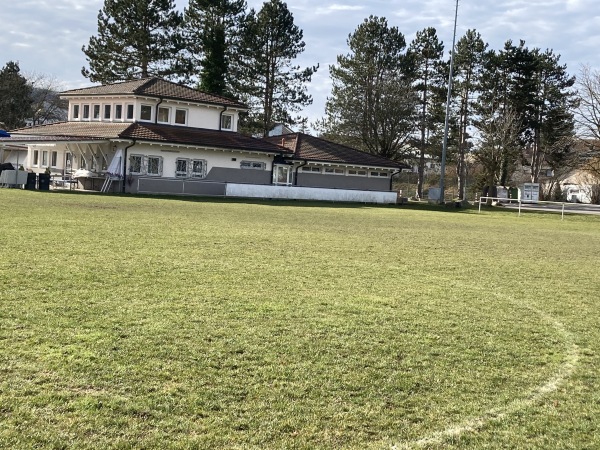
[(132, 322)]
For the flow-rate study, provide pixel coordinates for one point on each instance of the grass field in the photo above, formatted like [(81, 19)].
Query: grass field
[(176, 323)]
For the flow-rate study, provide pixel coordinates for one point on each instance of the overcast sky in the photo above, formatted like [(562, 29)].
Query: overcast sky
[(46, 36)]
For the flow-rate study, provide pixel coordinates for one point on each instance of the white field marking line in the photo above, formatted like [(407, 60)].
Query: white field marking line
[(563, 373)]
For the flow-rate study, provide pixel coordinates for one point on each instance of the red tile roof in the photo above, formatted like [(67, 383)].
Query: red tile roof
[(306, 147), (168, 134), (158, 88)]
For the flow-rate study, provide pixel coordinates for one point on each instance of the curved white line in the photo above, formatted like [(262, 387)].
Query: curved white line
[(565, 370)]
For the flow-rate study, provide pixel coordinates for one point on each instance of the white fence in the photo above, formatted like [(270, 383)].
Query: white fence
[(555, 207)]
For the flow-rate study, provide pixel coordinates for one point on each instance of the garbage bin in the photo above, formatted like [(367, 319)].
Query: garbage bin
[(43, 182), (30, 185)]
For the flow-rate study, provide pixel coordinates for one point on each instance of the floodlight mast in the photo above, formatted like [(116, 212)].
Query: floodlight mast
[(445, 143)]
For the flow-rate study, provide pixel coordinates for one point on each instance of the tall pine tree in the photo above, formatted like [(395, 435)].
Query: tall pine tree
[(426, 52), (15, 96), (212, 32), (136, 39), (468, 63), (372, 104), (268, 81)]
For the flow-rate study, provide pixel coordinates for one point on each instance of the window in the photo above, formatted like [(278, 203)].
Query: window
[(252, 165), (86, 111), (107, 109), (378, 174), (96, 112), (135, 164), (311, 169), (75, 111), (103, 163), (357, 173), (163, 114), (180, 116), (198, 168), (226, 122), (154, 165), (45, 158), (118, 112), (129, 112), (334, 171), (36, 157), (68, 160), (145, 112), (53, 158), (83, 163), (181, 167), (282, 175)]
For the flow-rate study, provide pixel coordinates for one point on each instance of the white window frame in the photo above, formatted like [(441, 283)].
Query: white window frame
[(53, 158), (119, 108), (163, 108), (252, 165), (44, 158), (159, 167), (36, 158), (129, 111), (182, 173), (334, 171), (197, 174), (185, 112), (313, 169), (357, 172), (290, 173), (230, 117), (141, 168), (107, 107), (85, 114), (96, 111), (378, 174), (75, 114), (146, 108)]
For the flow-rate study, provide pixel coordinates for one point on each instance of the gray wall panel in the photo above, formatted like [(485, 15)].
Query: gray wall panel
[(343, 182), (239, 175)]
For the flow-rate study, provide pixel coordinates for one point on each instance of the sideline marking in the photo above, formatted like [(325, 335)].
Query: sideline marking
[(564, 371)]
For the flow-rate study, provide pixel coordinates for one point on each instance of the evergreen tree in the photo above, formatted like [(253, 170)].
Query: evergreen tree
[(426, 52), (372, 104), (268, 81), (212, 31), (470, 51), (136, 39), (15, 96)]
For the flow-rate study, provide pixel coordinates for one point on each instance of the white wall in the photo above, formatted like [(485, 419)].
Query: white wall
[(198, 116), (303, 193)]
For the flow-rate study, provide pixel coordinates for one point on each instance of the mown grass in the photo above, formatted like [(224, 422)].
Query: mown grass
[(172, 323)]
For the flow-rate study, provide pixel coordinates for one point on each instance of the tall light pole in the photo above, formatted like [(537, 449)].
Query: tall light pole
[(445, 144)]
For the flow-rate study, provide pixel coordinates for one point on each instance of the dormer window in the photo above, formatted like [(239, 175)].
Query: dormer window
[(227, 122), (129, 112), (118, 112), (146, 112), (75, 111), (96, 112), (181, 116), (163, 115), (86, 111), (107, 111)]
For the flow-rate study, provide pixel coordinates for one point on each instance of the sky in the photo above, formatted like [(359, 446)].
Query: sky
[(46, 36)]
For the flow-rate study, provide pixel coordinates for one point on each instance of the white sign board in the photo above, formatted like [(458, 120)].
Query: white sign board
[(530, 193)]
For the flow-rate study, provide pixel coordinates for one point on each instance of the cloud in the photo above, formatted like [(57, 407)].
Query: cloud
[(335, 8)]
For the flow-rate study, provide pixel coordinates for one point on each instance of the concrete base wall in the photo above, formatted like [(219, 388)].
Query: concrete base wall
[(305, 193)]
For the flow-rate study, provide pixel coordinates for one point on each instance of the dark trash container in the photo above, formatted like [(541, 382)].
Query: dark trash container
[(30, 181), (43, 182)]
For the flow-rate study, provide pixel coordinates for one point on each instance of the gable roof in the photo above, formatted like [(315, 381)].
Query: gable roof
[(158, 88), (310, 148), (145, 132)]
